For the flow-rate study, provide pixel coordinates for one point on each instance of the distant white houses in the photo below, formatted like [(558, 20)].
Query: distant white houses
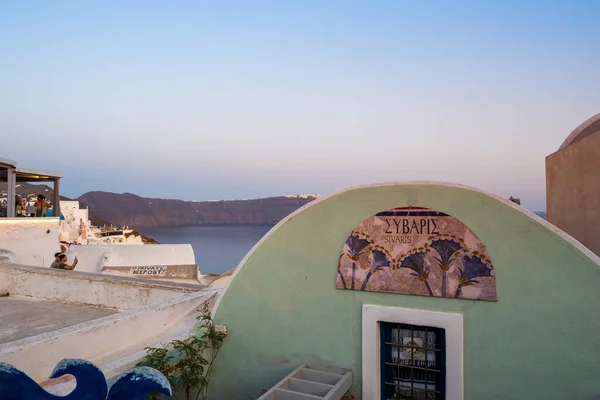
[(303, 196), (76, 228)]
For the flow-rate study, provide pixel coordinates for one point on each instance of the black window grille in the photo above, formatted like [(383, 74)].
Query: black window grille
[(413, 362)]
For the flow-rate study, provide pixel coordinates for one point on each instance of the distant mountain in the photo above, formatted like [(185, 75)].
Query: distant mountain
[(132, 210)]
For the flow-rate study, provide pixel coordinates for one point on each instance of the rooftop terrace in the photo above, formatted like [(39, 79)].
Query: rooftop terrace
[(22, 316), (52, 314)]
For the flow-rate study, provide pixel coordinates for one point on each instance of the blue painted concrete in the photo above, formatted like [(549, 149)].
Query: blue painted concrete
[(135, 384)]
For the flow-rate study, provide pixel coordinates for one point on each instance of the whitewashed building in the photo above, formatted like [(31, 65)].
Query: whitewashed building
[(76, 228), (25, 239)]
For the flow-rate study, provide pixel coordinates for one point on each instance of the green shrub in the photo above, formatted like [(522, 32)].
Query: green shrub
[(132, 233), (187, 364)]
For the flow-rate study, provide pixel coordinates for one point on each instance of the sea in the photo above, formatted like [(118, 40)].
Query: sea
[(217, 248)]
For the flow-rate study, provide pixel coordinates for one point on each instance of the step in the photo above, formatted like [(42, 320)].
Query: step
[(309, 384)]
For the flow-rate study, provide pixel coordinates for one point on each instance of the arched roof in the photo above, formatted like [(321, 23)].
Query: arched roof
[(431, 184), (587, 128), (282, 307)]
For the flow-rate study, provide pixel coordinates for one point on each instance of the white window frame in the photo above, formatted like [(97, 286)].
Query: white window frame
[(373, 315)]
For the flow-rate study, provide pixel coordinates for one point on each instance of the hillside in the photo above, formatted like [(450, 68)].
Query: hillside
[(132, 210)]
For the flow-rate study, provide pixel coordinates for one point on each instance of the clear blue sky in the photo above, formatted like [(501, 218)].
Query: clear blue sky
[(240, 99)]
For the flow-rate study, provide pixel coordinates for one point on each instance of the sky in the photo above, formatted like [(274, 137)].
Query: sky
[(204, 100)]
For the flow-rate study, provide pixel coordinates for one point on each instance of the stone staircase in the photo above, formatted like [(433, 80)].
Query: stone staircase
[(309, 384)]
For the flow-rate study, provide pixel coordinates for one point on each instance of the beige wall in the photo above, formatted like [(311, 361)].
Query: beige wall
[(573, 190)]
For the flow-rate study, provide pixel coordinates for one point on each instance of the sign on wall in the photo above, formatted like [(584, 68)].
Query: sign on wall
[(416, 251), (151, 270)]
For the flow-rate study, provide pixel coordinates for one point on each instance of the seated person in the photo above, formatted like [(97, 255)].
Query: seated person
[(62, 263), (56, 261)]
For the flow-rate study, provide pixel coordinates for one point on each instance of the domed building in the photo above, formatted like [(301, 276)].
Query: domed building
[(411, 290)]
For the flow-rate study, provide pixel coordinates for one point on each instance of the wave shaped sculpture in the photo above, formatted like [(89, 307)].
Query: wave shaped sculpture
[(135, 384)]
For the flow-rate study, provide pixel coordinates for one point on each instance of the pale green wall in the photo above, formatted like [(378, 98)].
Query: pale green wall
[(539, 341)]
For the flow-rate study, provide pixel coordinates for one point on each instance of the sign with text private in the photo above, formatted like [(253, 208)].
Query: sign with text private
[(150, 270)]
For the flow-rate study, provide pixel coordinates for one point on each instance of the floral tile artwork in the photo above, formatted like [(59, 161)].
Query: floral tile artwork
[(416, 251)]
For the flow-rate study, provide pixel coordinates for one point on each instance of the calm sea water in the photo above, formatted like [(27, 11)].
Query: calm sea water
[(217, 248)]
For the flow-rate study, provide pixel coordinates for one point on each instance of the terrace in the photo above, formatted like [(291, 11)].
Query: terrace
[(24, 316), (48, 315), (11, 175)]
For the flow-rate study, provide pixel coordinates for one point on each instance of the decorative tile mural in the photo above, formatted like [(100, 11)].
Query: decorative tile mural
[(416, 251)]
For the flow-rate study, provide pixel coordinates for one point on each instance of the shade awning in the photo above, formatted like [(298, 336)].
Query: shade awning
[(29, 175), (5, 163)]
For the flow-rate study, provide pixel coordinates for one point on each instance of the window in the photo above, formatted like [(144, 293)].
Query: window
[(412, 362), (451, 325)]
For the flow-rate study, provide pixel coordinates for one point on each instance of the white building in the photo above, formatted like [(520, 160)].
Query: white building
[(25, 239), (76, 228), (170, 262)]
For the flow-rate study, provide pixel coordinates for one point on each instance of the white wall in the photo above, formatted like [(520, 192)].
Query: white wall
[(150, 310), (373, 315), (94, 258), (121, 239), (73, 215), (33, 241), (100, 338), (84, 288), (67, 208)]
